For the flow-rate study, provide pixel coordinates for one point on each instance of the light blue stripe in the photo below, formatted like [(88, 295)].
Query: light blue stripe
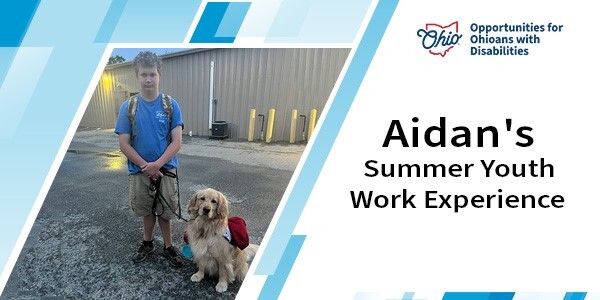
[(233, 19), (41, 130), (21, 80), (331, 21), (289, 18), (274, 283), (408, 296), (155, 21), (110, 21), (260, 18), (63, 65), (368, 296), (7, 54), (50, 28), (326, 137)]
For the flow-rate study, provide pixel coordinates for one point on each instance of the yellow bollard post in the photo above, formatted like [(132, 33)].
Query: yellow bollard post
[(293, 126), (270, 124), (312, 122), (251, 125)]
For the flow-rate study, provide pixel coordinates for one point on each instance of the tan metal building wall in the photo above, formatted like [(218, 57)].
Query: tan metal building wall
[(244, 79)]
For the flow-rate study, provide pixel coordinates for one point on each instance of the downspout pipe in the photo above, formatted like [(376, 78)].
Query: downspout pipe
[(211, 95)]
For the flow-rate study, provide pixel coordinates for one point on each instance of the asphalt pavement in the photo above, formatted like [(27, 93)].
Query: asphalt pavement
[(81, 243)]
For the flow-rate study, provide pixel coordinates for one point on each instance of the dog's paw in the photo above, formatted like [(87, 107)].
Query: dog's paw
[(197, 277), (221, 287)]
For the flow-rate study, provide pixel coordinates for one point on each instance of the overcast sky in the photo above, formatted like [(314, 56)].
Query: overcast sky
[(130, 53)]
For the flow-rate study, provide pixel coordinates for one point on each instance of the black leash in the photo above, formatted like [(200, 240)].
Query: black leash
[(159, 199)]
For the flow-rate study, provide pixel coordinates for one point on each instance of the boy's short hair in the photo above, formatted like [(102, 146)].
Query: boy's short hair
[(147, 59)]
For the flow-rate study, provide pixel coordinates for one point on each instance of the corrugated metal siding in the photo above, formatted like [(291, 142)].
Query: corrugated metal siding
[(283, 79)]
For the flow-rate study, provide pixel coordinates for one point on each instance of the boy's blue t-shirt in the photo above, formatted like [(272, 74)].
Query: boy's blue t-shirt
[(152, 130)]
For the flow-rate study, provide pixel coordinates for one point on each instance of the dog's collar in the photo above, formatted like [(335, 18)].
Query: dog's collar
[(227, 235)]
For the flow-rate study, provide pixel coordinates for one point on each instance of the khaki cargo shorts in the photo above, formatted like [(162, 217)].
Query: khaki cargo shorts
[(142, 193)]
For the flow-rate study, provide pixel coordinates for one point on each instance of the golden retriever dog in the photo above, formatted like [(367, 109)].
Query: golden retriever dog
[(213, 254)]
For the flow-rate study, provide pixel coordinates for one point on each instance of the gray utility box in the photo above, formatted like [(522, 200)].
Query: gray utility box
[(219, 130)]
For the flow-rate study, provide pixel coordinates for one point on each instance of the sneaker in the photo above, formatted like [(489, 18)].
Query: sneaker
[(173, 257), (143, 253)]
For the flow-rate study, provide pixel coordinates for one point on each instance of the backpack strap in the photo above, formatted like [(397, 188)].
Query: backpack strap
[(167, 103), (131, 110)]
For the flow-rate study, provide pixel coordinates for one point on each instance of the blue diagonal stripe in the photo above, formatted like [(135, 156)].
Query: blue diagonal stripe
[(501, 296), (326, 137), (274, 283), (478, 296), (575, 296), (211, 19), (16, 17)]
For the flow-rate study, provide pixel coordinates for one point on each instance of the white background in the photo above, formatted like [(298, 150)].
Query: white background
[(553, 90)]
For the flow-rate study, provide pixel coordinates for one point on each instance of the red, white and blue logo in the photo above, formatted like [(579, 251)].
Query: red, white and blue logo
[(438, 39)]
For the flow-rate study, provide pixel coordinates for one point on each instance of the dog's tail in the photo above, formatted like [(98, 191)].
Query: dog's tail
[(250, 251)]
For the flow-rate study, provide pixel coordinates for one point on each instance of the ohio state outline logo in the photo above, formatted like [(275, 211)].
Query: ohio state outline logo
[(438, 39)]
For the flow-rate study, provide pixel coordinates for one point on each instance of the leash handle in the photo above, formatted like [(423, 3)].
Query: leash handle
[(159, 198)]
